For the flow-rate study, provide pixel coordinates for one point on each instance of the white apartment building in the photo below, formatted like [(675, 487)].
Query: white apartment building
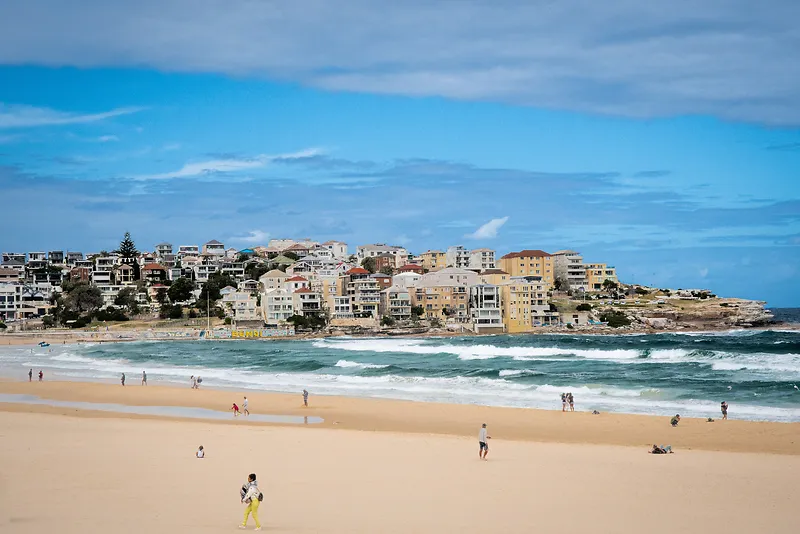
[(338, 249), (486, 311), (37, 256), (449, 277), (457, 257), (202, 272), (406, 280), (307, 301), (10, 298), (396, 303), (568, 266), (341, 309), (277, 305), (214, 248), (242, 306), (14, 257), (109, 292), (481, 259), (233, 269), (370, 251), (188, 250), (163, 249), (272, 280)]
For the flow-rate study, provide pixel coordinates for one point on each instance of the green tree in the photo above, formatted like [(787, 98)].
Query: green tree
[(615, 319), (291, 256), (181, 290), (417, 311), (387, 320), (210, 292), (83, 298), (559, 284), (127, 248), (388, 271), (127, 299), (254, 271), (610, 285), (584, 307), (161, 295), (369, 264)]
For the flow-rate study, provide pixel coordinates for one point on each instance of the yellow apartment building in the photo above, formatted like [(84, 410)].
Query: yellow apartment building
[(597, 273), (524, 304), (494, 277), (433, 260), (529, 263), (436, 299)]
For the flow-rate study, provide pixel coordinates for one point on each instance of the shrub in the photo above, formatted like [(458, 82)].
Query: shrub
[(192, 314), (176, 312), (584, 307), (3, 325), (724, 304), (615, 319), (228, 320), (387, 320), (569, 326)]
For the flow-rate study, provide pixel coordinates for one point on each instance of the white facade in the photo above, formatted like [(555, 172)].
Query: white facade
[(406, 280), (214, 247), (481, 259), (568, 265), (449, 277), (277, 305), (487, 314), (10, 298), (242, 306), (338, 249), (307, 302), (272, 280), (202, 272), (396, 303), (370, 251), (341, 309), (188, 250), (457, 257)]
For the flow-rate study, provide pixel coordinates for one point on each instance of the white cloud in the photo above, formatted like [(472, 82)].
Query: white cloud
[(252, 237), (488, 230), (227, 165), (17, 116), (619, 57), (171, 146), (107, 138), (703, 272)]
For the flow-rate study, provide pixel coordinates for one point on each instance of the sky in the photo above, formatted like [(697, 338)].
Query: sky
[(663, 142)]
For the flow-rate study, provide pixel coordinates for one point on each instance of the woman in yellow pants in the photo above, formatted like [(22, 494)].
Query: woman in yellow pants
[(251, 495)]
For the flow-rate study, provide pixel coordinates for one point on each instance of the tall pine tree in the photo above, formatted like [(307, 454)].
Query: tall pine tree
[(127, 251)]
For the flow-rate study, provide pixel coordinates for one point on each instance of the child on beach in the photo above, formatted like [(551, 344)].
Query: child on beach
[(244, 407), (200, 452), (235, 409), (675, 420), (724, 407)]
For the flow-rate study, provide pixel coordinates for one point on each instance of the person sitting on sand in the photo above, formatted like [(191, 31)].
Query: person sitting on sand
[(200, 452), (235, 409), (675, 420), (661, 449), (724, 407)]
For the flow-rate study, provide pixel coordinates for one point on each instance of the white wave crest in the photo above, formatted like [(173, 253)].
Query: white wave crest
[(347, 363)]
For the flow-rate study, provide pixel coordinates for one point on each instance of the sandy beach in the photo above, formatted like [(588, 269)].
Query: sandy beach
[(383, 466)]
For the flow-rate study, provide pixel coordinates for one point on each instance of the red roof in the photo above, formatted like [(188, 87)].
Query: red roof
[(357, 270), (153, 267), (411, 267), (297, 246), (526, 254), (303, 290), (296, 279)]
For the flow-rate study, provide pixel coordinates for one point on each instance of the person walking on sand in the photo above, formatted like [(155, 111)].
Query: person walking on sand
[(41, 375), (123, 379), (483, 442), (235, 409), (245, 411), (571, 400), (194, 382), (252, 497), (563, 402), (144, 378), (305, 398), (724, 407), (30, 375)]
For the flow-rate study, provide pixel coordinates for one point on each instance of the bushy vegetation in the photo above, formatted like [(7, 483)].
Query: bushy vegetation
[(387, 320), (585, 306), (171, 311), (310, 322), (615, 319)]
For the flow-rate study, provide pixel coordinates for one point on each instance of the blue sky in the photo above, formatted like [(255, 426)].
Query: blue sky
[(666, 144)]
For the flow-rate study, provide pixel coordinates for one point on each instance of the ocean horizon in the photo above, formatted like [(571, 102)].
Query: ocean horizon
[(756, 371)]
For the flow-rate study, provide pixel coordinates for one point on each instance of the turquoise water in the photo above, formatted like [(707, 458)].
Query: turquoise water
[(756, 372)]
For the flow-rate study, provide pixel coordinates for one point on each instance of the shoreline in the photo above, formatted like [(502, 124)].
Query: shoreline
[(32, 337), (410, 417)]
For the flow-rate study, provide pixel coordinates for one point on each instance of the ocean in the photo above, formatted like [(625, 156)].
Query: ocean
[(757, 372)]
